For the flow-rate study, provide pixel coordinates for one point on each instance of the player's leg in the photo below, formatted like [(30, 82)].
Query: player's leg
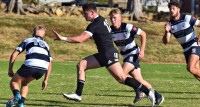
[(128, 68), (192, 66), (14, 86), (24, 90), (89, 62), (117, 72)]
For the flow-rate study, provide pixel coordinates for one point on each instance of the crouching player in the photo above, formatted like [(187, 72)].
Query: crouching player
[(36, 64)]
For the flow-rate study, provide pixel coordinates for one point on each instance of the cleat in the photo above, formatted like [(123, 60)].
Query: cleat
[(13, 100), (159, 100), (10, 102), (138, 96), (73, 96), (20, 105), (151, 96)]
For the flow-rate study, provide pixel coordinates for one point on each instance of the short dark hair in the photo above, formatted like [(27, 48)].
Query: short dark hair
[(89, 6), (174, 3)]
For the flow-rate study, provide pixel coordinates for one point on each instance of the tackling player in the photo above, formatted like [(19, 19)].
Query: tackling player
[(36, 64), (107, 55)]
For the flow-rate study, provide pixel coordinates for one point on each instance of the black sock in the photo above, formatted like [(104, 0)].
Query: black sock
[(136, 85), (157, 95), (22, 100), (79, 88), (15, 92)]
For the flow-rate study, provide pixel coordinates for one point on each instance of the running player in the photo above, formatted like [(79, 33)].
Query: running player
[(124, 38), (181, 26), (107, 55), (36, 64)]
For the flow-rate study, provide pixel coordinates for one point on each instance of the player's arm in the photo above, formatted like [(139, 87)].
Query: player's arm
[(11, 62), (143, 44), (45, 81), (167, 35), (73, 39)]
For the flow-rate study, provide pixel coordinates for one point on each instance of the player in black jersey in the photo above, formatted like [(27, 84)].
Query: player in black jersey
[(107, 54)]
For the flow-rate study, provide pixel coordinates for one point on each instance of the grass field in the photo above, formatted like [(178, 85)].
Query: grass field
[(179, 88)]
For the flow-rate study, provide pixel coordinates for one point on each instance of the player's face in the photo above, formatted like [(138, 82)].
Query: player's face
[(115, 20), (88, 15), (174, 11), (40, 32)]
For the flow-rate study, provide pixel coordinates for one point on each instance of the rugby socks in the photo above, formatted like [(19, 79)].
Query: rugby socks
[(136, 85), (22, 100), (15, 92), (80, 85), (157, 95)]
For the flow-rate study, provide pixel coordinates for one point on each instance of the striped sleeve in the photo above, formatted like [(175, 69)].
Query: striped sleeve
[(21, 47)]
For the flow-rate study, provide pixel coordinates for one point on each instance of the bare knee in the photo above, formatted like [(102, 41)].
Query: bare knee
[(81, 66), (191, 69)]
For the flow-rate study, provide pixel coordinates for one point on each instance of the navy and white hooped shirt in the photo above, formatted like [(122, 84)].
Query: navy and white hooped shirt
[(124, 38), (37, 52), (184, 32)]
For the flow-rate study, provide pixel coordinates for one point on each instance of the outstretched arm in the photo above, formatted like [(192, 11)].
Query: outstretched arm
[(166, 37), (11, 62), (73, 39)]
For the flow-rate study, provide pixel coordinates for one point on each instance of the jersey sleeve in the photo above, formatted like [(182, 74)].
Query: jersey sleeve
[(193, 21), (21, 47), (90, 29), (134, 29)]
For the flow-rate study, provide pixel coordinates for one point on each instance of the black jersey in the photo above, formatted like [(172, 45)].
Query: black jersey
[(100, 30)]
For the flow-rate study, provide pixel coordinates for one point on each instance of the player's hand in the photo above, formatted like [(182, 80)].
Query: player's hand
[(141, 54), (10, 73), (44, 85), (167, 27), (58, 36)]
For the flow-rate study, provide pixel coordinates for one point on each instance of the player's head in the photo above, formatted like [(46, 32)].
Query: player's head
[(39, 30), (115, 17), (174, 8), (89, 11)]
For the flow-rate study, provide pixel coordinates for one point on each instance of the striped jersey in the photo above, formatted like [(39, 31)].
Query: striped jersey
[(184, 32), (124, 38), (37, 52)]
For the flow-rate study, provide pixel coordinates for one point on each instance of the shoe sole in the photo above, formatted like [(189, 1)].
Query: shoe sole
[(163, 99), (71, 98)]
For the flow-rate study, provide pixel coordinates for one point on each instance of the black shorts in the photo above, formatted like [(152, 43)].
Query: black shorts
[(26, 72), (194, 50), (133, 59), (108, 58)]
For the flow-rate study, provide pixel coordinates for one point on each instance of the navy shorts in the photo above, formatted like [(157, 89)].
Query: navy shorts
[(108, 58), (26, 72), (133, 59), (194, 50)]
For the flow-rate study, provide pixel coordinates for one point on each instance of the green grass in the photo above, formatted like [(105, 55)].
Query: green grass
[(179, 88)]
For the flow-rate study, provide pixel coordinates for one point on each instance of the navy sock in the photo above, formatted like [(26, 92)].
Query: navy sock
[(157, 95), (22, 100), (136, 85), (15, 92), (80, 85)]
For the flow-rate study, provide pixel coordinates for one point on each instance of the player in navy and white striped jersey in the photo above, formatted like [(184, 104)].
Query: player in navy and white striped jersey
[(36, 64), (124, 38), (181, 26)]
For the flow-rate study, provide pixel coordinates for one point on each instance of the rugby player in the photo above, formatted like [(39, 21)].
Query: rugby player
[(107, 55), (124, 38), (181, 26), (36, 64)]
